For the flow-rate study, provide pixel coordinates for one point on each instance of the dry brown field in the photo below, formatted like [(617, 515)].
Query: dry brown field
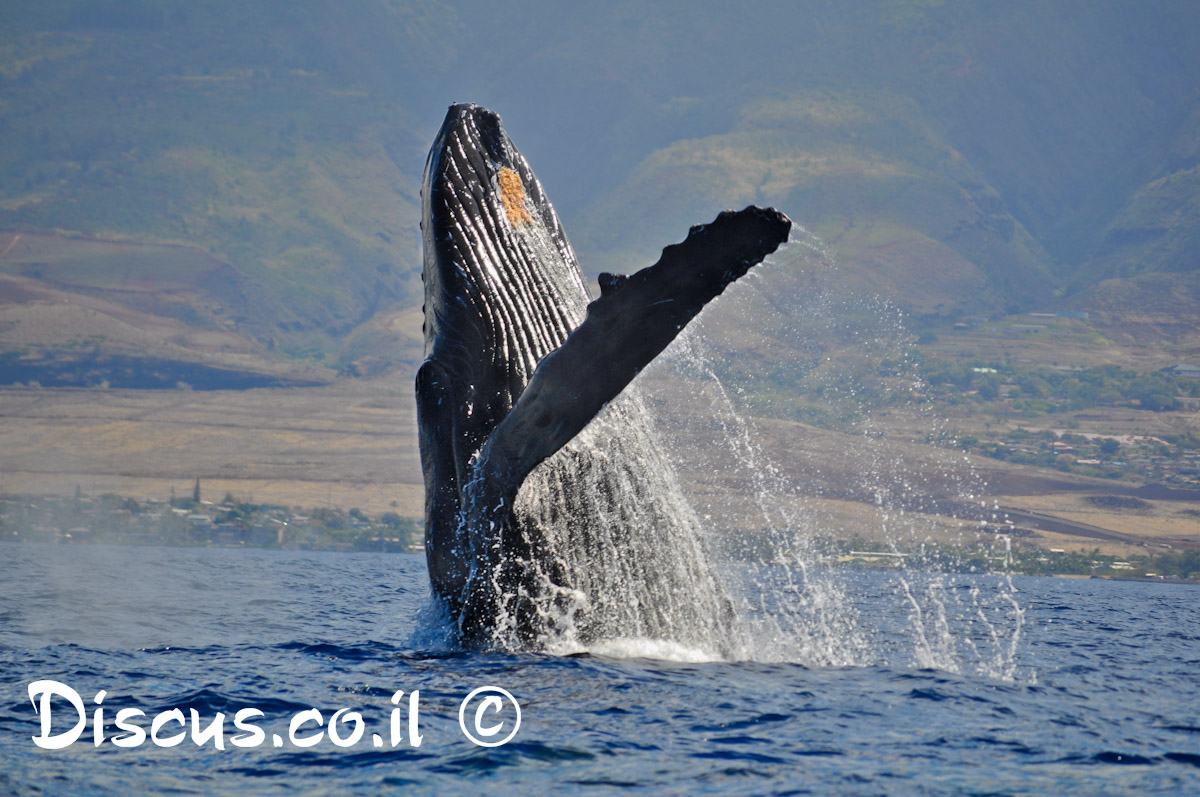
[(353, 444)]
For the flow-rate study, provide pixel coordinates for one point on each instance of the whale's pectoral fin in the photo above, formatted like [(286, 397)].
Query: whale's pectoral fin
[(634, 319)]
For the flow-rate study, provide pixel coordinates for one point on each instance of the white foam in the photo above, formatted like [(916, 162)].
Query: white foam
[(638, 648)]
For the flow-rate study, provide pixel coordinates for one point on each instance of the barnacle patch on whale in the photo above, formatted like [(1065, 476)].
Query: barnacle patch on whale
[(512, 196)]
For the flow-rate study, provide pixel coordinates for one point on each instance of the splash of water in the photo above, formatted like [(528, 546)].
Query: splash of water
[(633, 570), (787, 610), (793, 605), (618, 549)]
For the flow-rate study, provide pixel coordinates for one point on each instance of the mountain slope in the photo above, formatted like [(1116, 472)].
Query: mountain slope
[(902, 209), (958, 158), (244, 131)]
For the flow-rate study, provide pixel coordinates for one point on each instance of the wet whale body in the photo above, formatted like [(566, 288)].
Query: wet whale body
[(551, 514)]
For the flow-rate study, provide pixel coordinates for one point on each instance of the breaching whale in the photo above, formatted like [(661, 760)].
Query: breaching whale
[(550, 509)]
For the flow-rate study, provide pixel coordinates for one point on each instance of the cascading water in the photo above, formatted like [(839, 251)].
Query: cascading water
[(621, 553), (781, 601), (787, 610)]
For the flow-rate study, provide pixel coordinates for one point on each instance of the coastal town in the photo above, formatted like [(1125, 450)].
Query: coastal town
[(192, 521), (1038, 389), (111, 519)]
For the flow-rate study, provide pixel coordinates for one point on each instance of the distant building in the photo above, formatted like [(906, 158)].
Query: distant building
[(1184, 370), (228, 534)]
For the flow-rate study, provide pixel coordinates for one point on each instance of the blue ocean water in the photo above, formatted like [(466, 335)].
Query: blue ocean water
[(1104, 696)]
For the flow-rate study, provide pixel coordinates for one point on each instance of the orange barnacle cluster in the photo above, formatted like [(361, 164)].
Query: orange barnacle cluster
[(512, 196)]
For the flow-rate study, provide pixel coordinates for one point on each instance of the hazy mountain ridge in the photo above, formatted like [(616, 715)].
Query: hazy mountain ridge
[(960, 159), (189, 126), (902, 210)]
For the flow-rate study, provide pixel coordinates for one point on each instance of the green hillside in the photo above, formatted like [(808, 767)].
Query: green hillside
[(260, 162), (900, 208), (244, 131)]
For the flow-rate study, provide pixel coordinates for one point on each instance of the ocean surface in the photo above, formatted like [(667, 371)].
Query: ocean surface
[(1084, 687)]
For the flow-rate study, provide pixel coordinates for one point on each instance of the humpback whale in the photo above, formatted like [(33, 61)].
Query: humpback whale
[(550, 509)]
